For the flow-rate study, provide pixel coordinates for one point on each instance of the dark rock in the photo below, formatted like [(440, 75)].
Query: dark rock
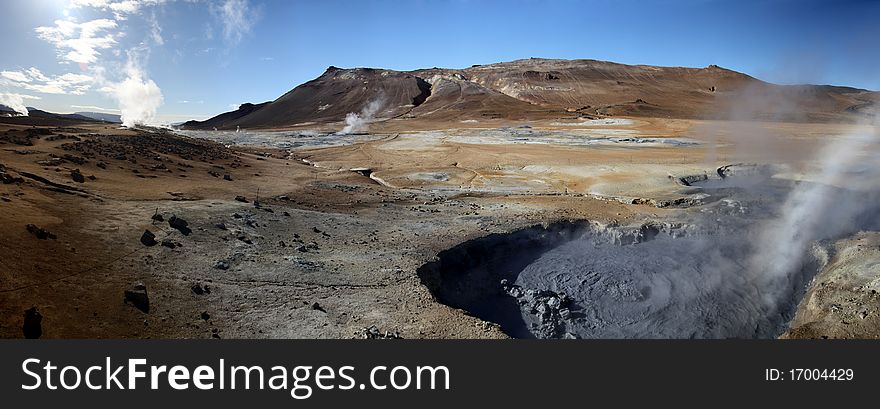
[(244, 239), (227, 177), (77, 176), (205, 316), (286, 214), (101, 164), (40, 232), (318, 307), (316, 230), (221, 226), (33, 324), (158, 217), (171, 243), (548, 310), (200, 289), (137, 296), (179, 224), (241, 199), (148, 238), (221, 265)]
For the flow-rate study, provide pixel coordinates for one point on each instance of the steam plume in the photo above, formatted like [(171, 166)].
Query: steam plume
[(360, 123), (14, 101), (138, 96), (817, 210)]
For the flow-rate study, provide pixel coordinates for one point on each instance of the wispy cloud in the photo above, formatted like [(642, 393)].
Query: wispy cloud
[(120, 8), (238, 18), (95, 108), (185, 101), (33, 79), (156, 30), (15, 76), (79, 42)]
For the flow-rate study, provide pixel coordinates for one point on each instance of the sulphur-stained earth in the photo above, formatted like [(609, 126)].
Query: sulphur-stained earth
[(302, 233)]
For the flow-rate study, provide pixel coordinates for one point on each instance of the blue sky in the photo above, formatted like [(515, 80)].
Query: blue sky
[(170, 60)]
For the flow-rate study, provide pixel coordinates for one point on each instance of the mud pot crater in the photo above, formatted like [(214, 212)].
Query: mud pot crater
[(577, 279)]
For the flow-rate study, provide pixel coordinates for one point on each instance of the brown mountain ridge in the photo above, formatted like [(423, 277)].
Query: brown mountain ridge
[(536, 89)]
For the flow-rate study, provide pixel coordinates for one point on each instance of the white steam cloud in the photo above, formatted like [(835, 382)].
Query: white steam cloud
[(816, 209), (15, 101), (360, 123), (138, 97)]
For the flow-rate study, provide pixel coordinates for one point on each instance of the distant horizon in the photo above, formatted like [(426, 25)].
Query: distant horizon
[(178, 60), (85, 109)]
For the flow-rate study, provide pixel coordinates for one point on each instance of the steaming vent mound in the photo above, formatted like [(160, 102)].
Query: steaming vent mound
[(583, 280)]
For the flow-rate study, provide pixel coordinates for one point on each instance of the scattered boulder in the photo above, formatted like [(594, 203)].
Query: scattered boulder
[(180, 224), (200, 289), (221, 265), (171, 243), (227, 177), (137, 296), (241, 199), (158, 217), (148, 238), (372, 332), (33, 324), (318, 307), (205, 316), (221, 226), (77, 176), (40, 232), (547, 311)]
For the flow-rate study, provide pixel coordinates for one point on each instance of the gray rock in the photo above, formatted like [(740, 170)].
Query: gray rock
[(137, 296), (221, 265)]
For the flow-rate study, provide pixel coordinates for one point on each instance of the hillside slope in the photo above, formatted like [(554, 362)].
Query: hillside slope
[(535, 89)]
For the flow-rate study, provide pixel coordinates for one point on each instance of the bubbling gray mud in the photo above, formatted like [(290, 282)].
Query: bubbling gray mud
[(584, 280), (666, 287), (717, 272)]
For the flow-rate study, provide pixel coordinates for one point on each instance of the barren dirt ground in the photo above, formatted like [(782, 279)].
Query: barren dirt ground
[(324, 242)]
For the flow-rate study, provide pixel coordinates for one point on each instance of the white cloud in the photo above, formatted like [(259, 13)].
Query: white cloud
[(238, 18), (94, 108), (16, 101), (120, 8), (156, 30), (33, 79), (79, 42), (15, 76)]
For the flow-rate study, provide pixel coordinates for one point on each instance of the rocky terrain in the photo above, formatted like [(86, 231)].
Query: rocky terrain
[(536, 89), (526, 199)]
